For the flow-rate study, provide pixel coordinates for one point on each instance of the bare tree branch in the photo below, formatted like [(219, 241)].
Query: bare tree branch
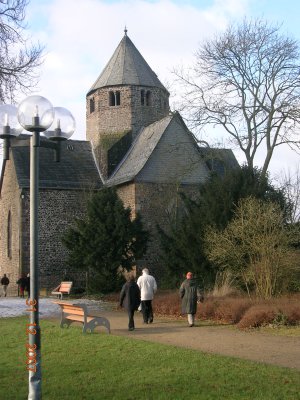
[(19, 57), (247, 80)]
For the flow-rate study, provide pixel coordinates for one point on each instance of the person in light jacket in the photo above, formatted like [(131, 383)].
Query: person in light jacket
[(190, 295), (130, 298), (148, 287)]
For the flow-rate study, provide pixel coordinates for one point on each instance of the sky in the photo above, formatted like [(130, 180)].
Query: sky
[(81, 35)]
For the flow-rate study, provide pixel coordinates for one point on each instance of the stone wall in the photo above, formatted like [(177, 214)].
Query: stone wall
[(106, 124), (143, 114), (157, 204), (127, 195), (10, 203), (57, 211)]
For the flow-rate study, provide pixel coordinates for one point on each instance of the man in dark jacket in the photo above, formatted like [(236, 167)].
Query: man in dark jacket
[(190, 295), (130, 298), (4, 283)]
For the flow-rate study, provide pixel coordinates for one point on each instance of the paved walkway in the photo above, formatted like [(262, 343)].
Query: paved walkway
[(265, 348)]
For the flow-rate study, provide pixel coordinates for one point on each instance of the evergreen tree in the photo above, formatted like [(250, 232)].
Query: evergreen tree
[(106, 240)]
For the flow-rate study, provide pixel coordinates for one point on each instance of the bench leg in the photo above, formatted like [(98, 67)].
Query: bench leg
[(65, 321), (99, 321)]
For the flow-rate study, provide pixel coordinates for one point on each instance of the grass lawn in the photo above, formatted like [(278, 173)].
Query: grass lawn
[(101, 366)]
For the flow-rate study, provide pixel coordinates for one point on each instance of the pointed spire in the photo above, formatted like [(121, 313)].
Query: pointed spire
[(127, 67)]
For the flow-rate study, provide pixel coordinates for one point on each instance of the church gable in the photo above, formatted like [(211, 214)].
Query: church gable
[(139, 152), (163, 152), (175, 159)]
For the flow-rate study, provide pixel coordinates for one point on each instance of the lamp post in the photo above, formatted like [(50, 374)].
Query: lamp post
[(35, 114)]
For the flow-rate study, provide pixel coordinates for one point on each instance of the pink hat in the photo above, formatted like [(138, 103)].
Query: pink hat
[(189, 275)]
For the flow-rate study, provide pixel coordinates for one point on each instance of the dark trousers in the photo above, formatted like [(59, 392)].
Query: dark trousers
[(147, 311), (130, 318)]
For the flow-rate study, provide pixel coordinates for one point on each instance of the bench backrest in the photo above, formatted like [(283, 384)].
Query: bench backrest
[(69, 308), (65, 287)]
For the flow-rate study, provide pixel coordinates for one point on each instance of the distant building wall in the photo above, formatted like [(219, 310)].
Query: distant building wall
[(157, 204), (57, 211), (9, 228)]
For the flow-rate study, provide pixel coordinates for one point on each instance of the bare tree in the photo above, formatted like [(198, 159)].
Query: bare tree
[(290, 182), (19, 58), (247, 80)]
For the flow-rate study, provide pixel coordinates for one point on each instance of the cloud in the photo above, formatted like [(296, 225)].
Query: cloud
[(80, 37)]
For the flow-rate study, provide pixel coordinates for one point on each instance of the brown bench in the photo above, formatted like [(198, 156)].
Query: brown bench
[(63, 288), (79, 313)]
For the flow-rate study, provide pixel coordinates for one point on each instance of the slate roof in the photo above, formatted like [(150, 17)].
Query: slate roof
[(218, 160), (195, 162), (127, 67), (139, 152), (76, 169)]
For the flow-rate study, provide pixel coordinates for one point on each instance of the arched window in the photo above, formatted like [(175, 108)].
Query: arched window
[(92, 105), (148, 98), (142, 97), (9, 234), (112, 100), (118, 98)]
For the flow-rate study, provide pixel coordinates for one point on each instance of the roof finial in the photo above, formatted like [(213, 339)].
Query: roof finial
[(125, 30)]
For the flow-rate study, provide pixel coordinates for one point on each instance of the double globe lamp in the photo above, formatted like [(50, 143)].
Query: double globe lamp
[(35, 114)]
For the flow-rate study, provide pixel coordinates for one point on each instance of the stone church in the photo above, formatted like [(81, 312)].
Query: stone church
[(134, 143)]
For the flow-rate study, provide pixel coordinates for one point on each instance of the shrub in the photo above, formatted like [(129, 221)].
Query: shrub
[(167, 303), (280, 311), (257, 316), (226, 309), (242, 311)]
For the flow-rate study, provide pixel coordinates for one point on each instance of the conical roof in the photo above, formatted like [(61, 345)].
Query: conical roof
[(127, 67)]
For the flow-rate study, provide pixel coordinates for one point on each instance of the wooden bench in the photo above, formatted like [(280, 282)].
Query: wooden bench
[(63, 288), (79, 313)]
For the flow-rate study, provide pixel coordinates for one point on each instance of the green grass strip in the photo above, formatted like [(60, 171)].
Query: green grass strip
[(101, 366)]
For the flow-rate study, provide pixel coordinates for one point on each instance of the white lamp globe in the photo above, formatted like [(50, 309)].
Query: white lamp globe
[(63, 125), (9, 124), (35, 113)]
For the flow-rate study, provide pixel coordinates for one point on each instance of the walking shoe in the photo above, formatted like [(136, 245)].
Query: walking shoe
[(131, 329), (191, 325)]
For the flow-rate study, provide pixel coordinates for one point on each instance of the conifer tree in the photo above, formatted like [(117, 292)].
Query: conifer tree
[(106, 240)]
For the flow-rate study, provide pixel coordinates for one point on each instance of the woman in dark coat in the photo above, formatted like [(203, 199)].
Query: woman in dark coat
[(189, 294), (22, 285), (130, 298)]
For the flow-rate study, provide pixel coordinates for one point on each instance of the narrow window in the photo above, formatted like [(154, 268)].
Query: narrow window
[(92, 105), (142, 97), (148, 98), (112, 100), (9, 235), (118, 98)]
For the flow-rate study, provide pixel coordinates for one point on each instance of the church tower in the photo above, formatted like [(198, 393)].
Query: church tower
[(126, 97)]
